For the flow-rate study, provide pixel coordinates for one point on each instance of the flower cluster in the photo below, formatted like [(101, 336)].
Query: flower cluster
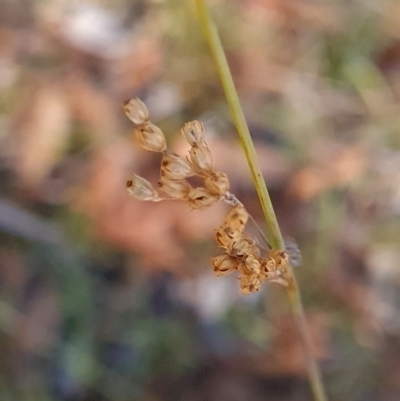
[(175, 170), (241, 252)]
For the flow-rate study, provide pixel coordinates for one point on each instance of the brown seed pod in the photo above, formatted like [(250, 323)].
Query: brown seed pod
[(224, 235), (267, 265), (176, 189), (193, 132), (175, 167), (141, 189), (224, 264), (217, 183), (200, 198), (136, 111), (281, 258), (241, 246), (237, 218), (249, 284), (201, 159), (150, 137), (249, 265)]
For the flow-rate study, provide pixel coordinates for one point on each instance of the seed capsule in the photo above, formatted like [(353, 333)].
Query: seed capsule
[(249, 265), (241, 246), (217, 183), (224, 264), (249, 284), (267, 265), (201, 159), (200, 198), (224, 235), (237, 218), (174, 189), (281, 258), (141, 189), (175, 167), (150, 137), (136, 111), (193, 132)]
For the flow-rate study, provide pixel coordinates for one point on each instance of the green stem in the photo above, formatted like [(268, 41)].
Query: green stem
[(237, 114), (225, 76), (313, 371)]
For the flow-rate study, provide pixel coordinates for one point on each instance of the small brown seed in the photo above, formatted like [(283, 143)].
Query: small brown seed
[(267, 265), (237, 218), (281, 258), (201, 159), (176, 189), (241, 246), (136, 111), (249, 265), (224, 235), (217, 183), (175, 167), (150, 137), (200, 198), (249, 284), (224, 264), (141, 189), (193, 132)]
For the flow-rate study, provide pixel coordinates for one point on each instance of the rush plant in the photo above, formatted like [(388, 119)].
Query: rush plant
[(241, 253)]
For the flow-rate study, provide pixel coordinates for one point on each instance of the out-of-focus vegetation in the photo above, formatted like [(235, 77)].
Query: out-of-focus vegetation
[(106, 298)]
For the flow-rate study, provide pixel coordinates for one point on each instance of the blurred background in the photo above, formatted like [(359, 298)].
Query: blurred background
[(105, 298)]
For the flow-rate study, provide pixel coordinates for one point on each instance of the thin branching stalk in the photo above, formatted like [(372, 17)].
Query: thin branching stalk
[(237, 114)]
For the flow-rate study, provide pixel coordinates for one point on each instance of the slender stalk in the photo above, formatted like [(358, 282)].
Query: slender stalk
[(236, 111), (293, 293)]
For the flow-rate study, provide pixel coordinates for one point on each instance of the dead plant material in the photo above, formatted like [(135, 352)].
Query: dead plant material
[(241, 252)]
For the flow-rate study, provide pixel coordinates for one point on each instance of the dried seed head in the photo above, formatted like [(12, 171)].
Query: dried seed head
[(175, 167), (174, 189), (141, 189), (249, 265), (237, 218), (193, 132), (217, 183), (281, 258), (150, 137), (267, 265), (249, 284), (201, 159), (224, 235), (241, 246), (136, 111), (200, 198), (224, 264)]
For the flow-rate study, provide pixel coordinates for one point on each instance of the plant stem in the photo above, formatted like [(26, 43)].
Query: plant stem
[(293, 293), (313, 371), (239, 120)]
